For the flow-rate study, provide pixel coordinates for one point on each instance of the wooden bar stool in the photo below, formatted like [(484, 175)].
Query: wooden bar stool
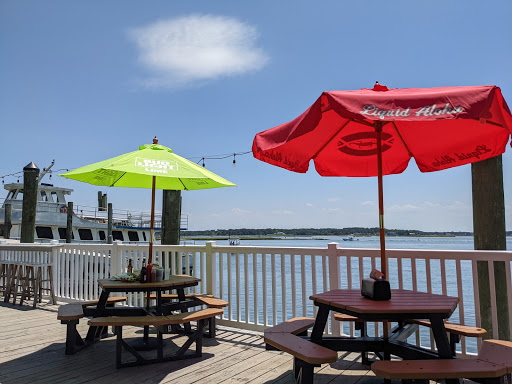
[(31, 278), (12, 268), (5, 277)]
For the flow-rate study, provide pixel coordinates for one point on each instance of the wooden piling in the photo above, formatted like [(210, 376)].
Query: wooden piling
[(171, 220), (7, 221), (109, 224), (28, 216), (69, 223), (490, 234)]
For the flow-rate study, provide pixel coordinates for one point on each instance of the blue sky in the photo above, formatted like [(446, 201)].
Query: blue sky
[(82, 81)]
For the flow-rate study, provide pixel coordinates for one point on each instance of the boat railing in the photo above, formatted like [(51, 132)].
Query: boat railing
[(267, 285)]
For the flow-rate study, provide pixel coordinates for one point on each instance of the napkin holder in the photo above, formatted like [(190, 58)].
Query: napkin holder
[(376, 289)]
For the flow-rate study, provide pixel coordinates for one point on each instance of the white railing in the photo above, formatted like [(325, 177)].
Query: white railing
[(267, 285)]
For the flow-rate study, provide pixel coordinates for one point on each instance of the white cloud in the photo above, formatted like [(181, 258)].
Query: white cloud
[(368, 202), (283, 212), (402, 208), (196, 48), (309, 205), (333, 199), (240, 211), (332, 210)]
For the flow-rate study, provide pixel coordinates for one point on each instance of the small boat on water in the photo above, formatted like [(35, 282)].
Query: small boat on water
[(90, 224), (350, 238)]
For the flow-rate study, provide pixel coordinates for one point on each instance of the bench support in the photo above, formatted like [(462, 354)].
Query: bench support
[(74, 341), (196, 336), (303, 372)]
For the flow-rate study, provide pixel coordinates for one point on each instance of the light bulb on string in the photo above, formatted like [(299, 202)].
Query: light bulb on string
[(203, 161), (234, 160)]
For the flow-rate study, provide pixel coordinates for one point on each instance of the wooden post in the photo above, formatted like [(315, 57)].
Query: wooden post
[(109, 224), (7, 221), (28, 216), (69, 223), (171, 220), (171, 217), (490, 234)]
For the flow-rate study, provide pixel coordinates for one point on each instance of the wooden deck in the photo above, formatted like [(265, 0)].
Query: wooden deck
[(32, 351)]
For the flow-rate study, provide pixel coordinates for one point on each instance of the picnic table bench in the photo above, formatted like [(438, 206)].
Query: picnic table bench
[(70, 314), (307, 355), (209, 300), (492, 365), (162, 320), (454, 330)]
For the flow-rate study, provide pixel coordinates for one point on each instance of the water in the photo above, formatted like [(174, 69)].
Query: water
[(435, 243), (443, 243)]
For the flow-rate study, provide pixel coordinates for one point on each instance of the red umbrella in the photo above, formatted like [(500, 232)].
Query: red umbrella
[(375, 132)]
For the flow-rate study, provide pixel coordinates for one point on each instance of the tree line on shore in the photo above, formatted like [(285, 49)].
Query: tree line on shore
[(350, 231)]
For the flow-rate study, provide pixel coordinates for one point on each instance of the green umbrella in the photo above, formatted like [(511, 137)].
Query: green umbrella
[(151, 166)]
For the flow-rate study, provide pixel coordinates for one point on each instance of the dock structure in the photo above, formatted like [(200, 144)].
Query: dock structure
[(33, 343)]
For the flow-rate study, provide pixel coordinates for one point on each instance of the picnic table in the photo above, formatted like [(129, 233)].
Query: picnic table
[(404, 305)]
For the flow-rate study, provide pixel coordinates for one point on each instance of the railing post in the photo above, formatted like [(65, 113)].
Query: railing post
[(55, 255), (211, 268), (116, 264), (334, 278)]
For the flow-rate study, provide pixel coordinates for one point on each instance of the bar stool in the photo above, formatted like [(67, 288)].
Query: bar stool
[(30, 279), (5, 277), (11, 271)]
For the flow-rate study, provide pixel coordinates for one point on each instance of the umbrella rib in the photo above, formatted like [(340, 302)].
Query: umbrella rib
[(114, 183), (330, 139), (401, 139), (185, 188)]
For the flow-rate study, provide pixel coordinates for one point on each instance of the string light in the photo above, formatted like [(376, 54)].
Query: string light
[(201, 160), (220, 157), (20, 173)]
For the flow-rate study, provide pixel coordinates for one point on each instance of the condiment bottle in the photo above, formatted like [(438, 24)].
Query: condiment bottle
[(143, 272), (148, 273), (129, 270)]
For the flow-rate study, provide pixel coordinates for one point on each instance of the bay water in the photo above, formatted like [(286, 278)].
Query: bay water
[(434, 243)]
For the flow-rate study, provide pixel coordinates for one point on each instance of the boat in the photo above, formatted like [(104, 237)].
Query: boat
[(350, 238), (89, 224)]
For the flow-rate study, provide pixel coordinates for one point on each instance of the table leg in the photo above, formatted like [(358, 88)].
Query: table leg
[(441, 338), (181, 297), (320, 322)]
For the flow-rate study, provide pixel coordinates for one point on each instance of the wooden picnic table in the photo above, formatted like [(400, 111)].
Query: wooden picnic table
[(174, 282), (404, 305)]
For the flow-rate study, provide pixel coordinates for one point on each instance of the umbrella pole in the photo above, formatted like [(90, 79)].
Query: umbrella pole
[(151, 230), (383, 265), (151, 227)]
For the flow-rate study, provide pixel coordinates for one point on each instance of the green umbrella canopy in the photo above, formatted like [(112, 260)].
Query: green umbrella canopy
[(136, 170)]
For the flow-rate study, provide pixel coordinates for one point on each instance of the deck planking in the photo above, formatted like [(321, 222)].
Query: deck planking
[(32, 343)]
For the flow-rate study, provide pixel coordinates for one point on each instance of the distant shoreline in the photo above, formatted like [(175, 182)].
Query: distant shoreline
[(206, 238)]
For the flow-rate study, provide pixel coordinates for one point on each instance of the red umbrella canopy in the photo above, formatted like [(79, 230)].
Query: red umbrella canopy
[(375, 132), (440, 127)]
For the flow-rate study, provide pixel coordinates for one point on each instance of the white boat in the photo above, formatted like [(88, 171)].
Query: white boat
[(350, 238), (90, 224)]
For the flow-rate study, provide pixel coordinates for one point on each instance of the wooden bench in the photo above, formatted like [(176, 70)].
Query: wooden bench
[(492, 365), (209, 300), (307, 355), (181, 318), (455, 330), (111, 301), (70, 314)]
